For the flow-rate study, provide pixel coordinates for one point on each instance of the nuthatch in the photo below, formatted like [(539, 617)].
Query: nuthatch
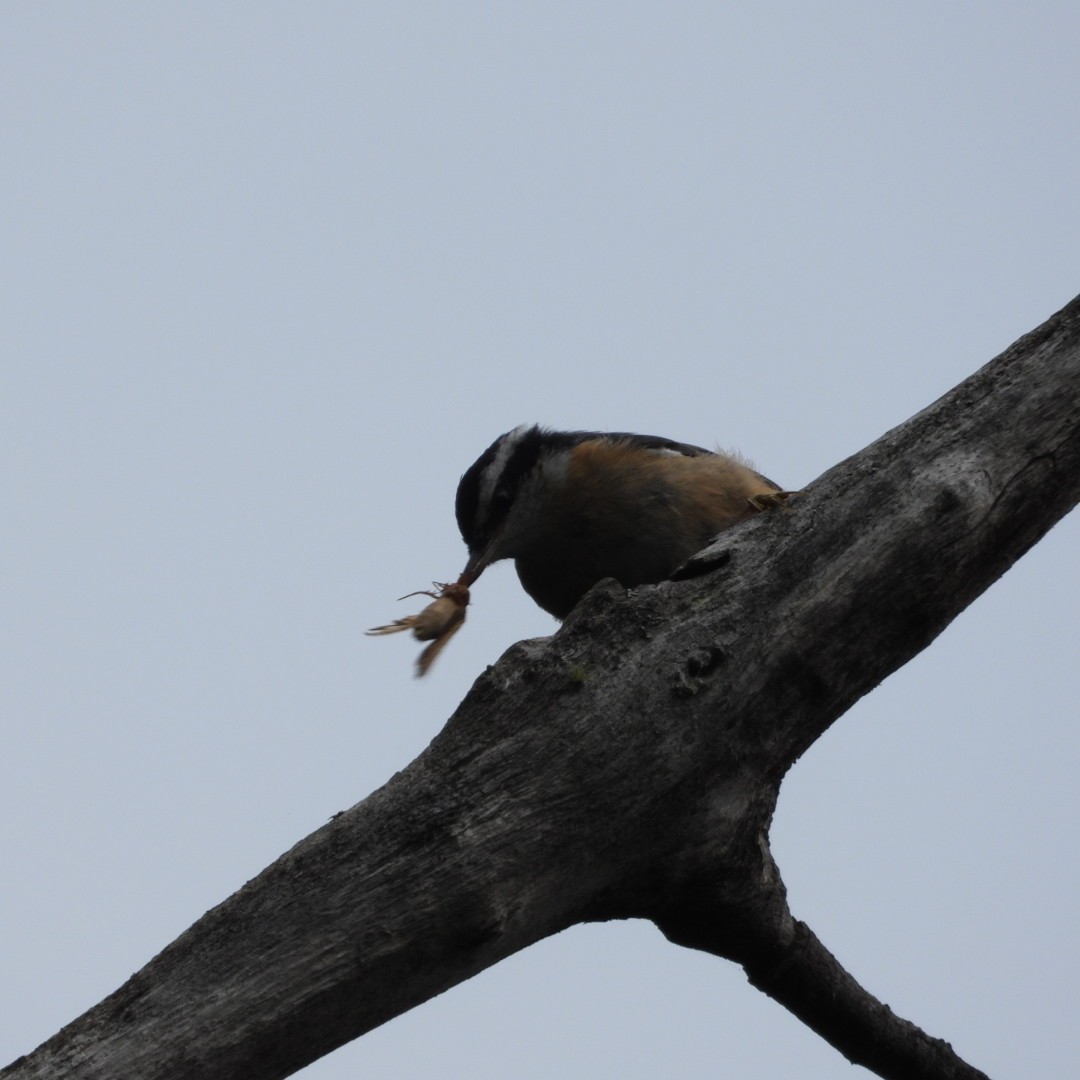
[(574, 507)]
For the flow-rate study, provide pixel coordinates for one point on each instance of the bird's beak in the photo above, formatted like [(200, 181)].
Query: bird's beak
[(478, 562)]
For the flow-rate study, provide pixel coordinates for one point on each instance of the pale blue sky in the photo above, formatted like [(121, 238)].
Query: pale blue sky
[(274, 275)]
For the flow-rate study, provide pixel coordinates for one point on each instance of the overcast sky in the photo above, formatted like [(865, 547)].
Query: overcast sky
[(275, 274)]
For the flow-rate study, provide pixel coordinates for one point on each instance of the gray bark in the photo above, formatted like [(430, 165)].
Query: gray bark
[(628, 766)]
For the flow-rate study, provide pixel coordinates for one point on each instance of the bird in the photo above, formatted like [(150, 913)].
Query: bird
[(574, 507)]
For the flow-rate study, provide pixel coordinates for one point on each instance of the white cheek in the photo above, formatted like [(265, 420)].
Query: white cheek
[(530, 515), (553, 470), (512, 536)]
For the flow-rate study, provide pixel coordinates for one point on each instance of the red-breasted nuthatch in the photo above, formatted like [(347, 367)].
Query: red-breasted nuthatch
[(574, 507)]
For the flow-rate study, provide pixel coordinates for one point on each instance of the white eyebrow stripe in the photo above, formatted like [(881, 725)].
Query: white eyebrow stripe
[(490, 479)]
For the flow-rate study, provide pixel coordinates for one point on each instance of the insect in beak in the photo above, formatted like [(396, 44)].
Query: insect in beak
[(438, 622)]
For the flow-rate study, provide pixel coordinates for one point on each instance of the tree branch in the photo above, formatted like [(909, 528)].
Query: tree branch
[(785, 959), (628, 766), (807, 979)]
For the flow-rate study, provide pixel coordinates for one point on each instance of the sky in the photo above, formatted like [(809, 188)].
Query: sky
[(275, 274)]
